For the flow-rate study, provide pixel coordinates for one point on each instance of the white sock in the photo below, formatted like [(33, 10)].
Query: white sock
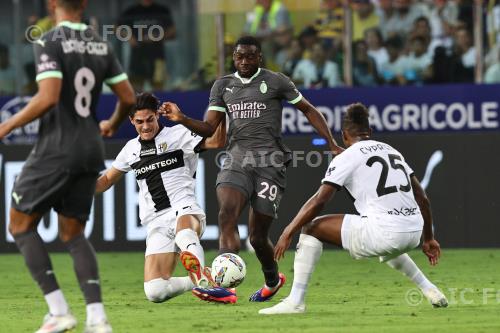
[(181, 284), (188, 240), (160, 290), (57, 303), (95, 313), (408, 268), (309, 250)]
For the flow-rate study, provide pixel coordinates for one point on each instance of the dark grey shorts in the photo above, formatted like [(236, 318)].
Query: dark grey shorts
[(37, 189), (263, 186)]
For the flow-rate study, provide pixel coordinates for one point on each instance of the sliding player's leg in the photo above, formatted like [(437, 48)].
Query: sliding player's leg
[(190, 226), (159, 284)]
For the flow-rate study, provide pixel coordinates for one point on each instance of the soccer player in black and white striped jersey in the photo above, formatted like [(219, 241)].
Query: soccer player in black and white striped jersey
[(164, 160)]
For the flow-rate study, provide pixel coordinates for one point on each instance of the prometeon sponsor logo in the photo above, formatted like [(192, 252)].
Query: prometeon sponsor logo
[(154, 166)]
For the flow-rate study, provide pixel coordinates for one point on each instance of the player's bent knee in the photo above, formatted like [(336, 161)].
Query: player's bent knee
[(21, 223), (157, 290), (309, 228), (258, 241), (228, 215)]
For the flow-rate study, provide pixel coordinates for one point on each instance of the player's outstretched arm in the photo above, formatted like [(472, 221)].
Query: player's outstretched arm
[(126, 101), (306, 214), (108, 179), (47, 96), (218, 139), (430, 246), (319, 123), (204, 128)]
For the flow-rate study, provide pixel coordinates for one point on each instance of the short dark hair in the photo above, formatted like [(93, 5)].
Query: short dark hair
[(73, 5), (356, 118), (395, 42), (248, 40), (147, 101), (422, 19)]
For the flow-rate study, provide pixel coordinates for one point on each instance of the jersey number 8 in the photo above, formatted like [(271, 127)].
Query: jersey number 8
[(84, 82)]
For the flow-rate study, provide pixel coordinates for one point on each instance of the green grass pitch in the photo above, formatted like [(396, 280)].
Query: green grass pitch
[(344, 296)]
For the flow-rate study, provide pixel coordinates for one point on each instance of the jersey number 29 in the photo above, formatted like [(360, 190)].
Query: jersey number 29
[(83, 83)]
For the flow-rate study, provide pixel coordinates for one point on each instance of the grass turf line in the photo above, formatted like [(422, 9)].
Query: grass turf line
[(344, 296)]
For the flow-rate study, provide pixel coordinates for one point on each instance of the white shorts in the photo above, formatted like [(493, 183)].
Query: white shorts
[(161, 230), (365, 239)]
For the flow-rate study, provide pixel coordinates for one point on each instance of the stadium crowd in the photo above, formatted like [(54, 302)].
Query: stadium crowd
[(394, 42)]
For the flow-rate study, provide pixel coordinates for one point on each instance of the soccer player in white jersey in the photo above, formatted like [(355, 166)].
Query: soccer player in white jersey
[(164, 160), (393, 209)]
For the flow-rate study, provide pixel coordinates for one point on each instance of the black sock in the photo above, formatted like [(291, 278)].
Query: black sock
[(37, 259), (85, 265), (271, 275)]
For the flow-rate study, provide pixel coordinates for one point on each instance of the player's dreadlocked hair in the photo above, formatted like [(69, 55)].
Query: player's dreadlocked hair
[(74, 5), (356, 118), (145, 101), (248, 40)]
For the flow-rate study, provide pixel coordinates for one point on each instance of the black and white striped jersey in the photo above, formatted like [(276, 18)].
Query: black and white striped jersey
[(164, 167)]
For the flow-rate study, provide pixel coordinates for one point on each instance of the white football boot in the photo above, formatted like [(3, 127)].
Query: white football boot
[(57, 324), (436, 297), (102, 327), (284, 307)]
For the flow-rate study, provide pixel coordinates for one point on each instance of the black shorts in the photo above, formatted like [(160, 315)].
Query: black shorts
[(263, 186), (38, 189)]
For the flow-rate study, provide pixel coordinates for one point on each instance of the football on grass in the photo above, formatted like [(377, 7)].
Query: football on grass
[(228, 270)]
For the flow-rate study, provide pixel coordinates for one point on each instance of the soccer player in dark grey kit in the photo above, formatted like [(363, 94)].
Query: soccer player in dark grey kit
[(61, 172), (255, 171)]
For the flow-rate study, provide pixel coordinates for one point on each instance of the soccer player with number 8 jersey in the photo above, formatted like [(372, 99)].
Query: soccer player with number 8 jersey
[(72, 63)]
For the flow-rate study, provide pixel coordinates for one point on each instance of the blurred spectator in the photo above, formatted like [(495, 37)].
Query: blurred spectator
[(7, 73), (363, 18), (282, 41), (293, 56), (317, 72), (330, 22), (492, 75), (376, 49), (308, 38), (148, 60), (37, 27), (443, 19), (42, 24), (401, 22), (392, 71), (384, 11), (493, 22), (422, 29), (418, 62), (364, 69), (266, 17), (493, 30), (463, 58), (465, 14), (264, 21)]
